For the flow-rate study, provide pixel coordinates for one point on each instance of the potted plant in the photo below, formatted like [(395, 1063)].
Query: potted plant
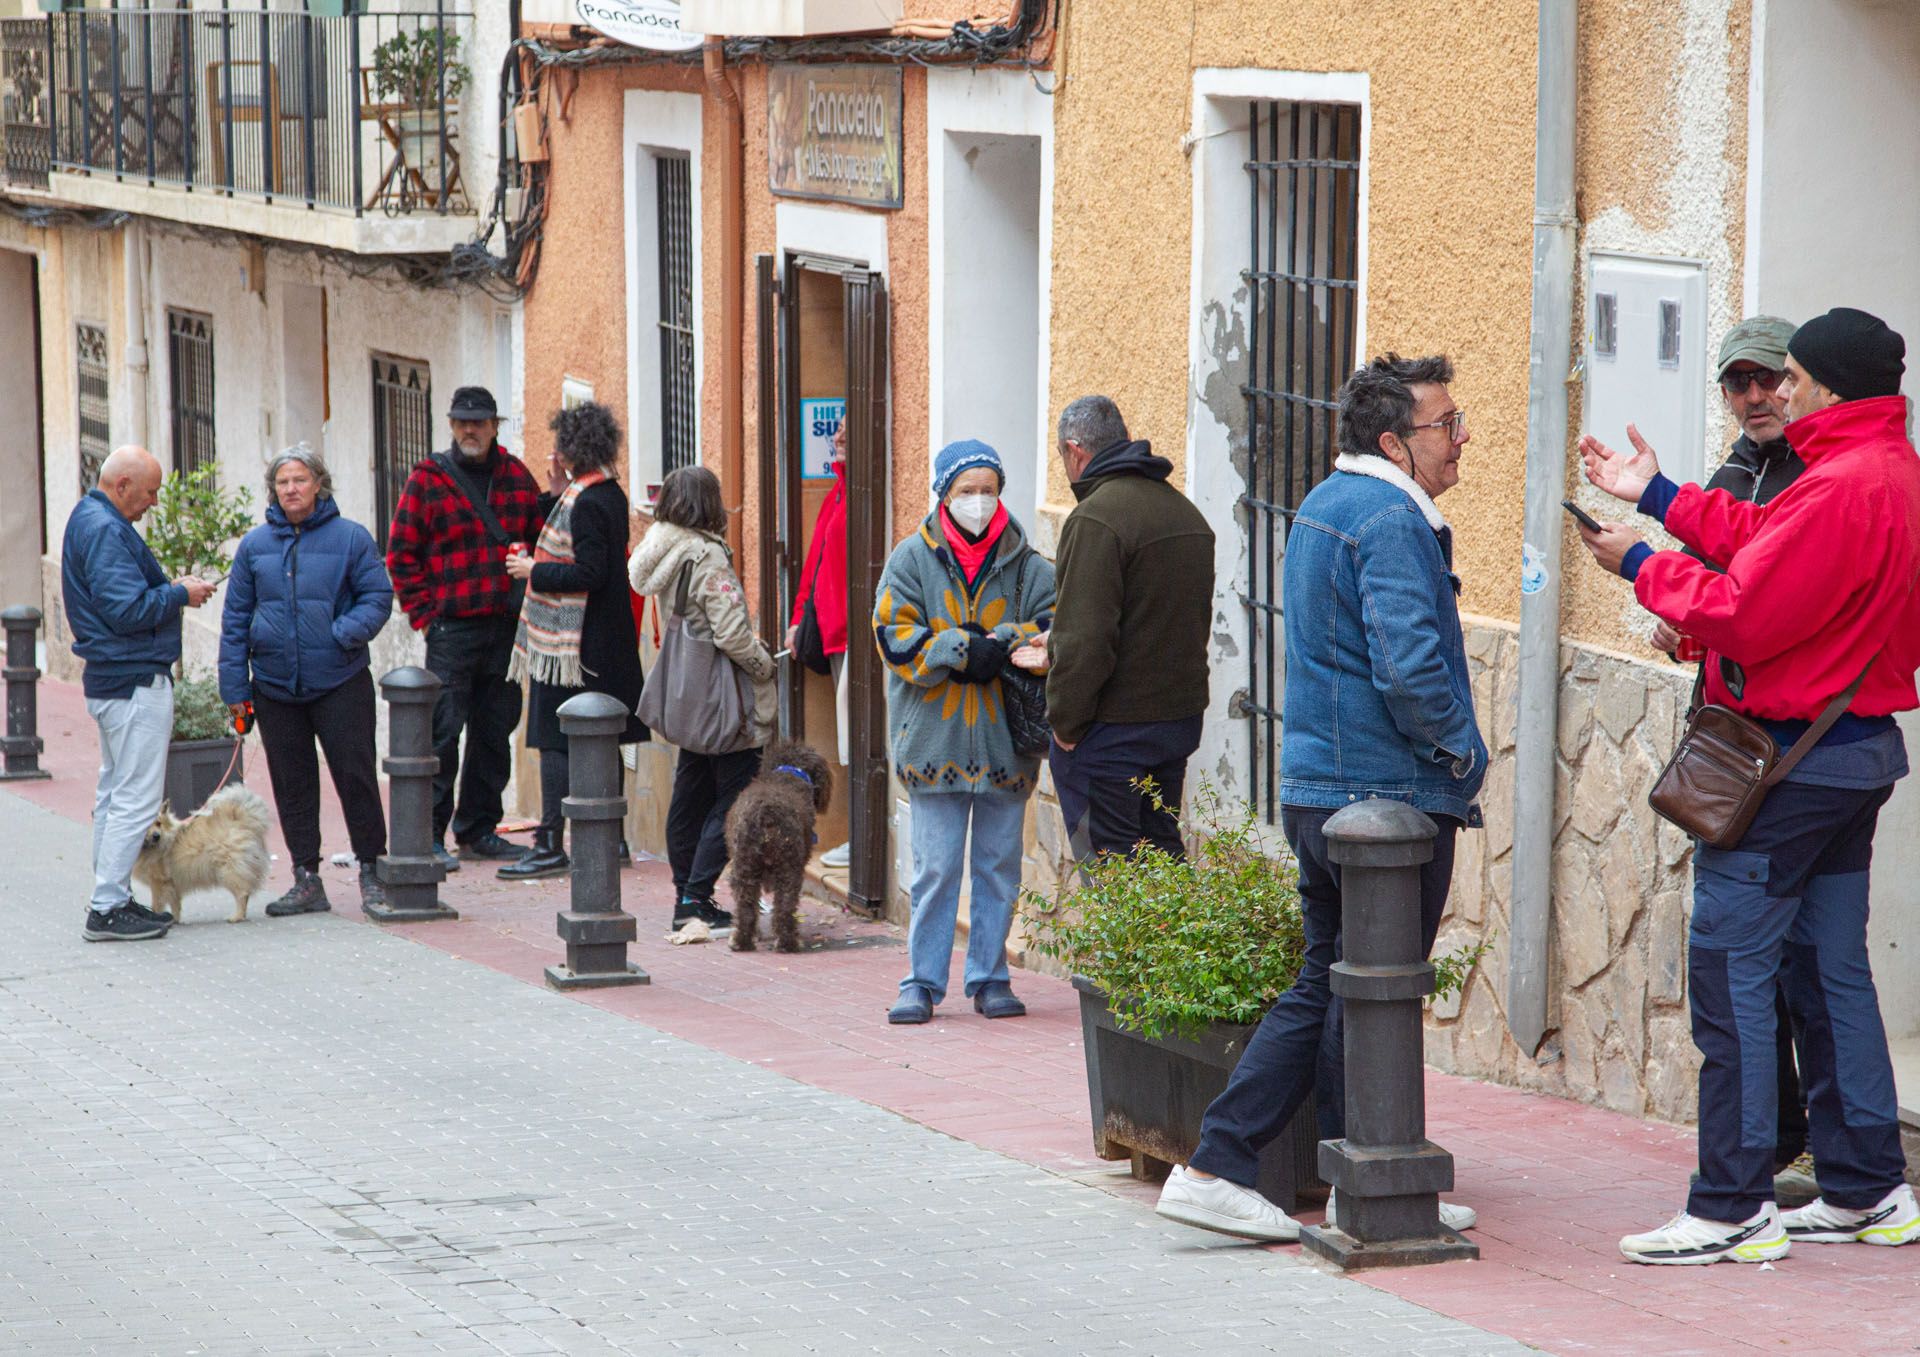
[(188, 530), (421, 71), (1176, 962)]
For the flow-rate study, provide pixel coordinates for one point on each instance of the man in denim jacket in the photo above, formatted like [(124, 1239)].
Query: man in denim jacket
[(1377, 704)]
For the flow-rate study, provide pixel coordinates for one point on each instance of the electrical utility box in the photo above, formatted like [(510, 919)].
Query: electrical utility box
[(1647, 358)]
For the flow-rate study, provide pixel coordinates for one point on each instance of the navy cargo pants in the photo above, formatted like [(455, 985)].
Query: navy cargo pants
[(1791, 902)]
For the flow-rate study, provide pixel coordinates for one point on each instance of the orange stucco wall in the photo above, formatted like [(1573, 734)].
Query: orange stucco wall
[(576, 322)]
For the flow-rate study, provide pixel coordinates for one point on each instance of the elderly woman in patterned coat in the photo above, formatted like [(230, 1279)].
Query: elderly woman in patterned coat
[(958, 597)]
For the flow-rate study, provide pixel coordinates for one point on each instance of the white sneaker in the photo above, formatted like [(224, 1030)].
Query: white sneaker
[(1216, 1204), (1894, 1220), (1452, 1214), (1688, 1240), (838, 857)]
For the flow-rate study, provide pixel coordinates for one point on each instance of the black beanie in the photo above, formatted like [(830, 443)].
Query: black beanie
[(1852, 354)]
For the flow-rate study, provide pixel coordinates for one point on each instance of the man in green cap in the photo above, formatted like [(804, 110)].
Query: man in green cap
[(1753, 360)]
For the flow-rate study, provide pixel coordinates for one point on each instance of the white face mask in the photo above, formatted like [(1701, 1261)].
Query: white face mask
[(973, 512)]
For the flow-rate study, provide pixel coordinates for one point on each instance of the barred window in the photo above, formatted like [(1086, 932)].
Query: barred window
[(190, 382), (1304, 166), (402, 430), (679, 445), (96, 425)]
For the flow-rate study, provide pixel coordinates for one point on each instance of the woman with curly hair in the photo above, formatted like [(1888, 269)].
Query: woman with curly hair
[(576, 626)]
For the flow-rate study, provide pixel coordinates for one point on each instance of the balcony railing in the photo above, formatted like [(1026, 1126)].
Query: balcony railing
[(24, 143), (356, 113)]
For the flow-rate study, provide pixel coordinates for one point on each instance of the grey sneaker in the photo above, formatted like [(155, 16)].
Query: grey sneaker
[(373, 891), (1224, 1207), (308, 896)]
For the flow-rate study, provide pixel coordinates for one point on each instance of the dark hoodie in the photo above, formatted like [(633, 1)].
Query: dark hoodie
[(1135, 578)]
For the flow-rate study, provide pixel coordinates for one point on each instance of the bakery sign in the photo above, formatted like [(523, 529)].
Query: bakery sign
[(653, 24), (834, 133)]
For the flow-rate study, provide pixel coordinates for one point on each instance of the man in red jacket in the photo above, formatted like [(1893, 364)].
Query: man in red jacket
[(1821, 586)]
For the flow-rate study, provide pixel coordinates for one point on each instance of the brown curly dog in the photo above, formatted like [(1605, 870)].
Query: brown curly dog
[(770, 838)]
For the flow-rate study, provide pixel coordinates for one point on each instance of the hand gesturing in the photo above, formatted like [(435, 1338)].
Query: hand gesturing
[(1624, 475)]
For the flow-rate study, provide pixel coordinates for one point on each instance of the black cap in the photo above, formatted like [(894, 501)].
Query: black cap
[(1852, 354), (473, 402)]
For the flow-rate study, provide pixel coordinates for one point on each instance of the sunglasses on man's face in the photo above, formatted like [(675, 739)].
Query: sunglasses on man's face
[(1736, 383)]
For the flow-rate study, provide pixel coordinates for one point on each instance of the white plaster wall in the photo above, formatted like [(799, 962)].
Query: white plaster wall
[(1837, 223)]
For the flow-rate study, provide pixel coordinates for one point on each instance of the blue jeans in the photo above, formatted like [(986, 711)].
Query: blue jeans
[(1298, 1047), (939, 834), (1791, 901)]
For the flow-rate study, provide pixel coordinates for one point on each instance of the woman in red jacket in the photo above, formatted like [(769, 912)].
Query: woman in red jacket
[(823, 580)]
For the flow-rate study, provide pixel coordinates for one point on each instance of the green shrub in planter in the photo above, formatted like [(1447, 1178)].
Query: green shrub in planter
[(198, 712), (1177, 945), (192, 521)]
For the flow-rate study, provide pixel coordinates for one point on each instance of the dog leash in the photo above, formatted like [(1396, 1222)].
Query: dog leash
[(241, 725)]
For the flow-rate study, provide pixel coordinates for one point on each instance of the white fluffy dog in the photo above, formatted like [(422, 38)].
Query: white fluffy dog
[(222, 846)]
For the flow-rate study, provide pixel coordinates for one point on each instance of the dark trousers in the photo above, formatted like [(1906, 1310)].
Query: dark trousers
[(1297, 1049), (1104, 811), (1790, 901), (556, 773), (470, 656), (1791, 1140), (342, 721), (705, 787)]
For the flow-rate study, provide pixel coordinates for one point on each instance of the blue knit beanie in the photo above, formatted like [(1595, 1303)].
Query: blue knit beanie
[(955, 458)]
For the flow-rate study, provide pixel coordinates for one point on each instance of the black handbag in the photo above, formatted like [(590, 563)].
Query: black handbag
[(810, 645), (1024, 697)]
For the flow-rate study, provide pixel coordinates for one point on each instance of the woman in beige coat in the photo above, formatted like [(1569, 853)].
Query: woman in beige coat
[(687, 531)]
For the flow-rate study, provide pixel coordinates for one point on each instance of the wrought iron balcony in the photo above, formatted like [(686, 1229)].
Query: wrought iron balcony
[(355, 114)]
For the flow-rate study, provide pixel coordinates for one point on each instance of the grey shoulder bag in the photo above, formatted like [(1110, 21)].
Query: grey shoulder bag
[(696, 697)]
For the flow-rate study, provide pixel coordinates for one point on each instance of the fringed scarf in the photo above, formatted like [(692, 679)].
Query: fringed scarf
[(547, 645)]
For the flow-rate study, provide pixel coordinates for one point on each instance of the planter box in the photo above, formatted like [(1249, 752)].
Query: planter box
[(1150, 1094), (194, 770)]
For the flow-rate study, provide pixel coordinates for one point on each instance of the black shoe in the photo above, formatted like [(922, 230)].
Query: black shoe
[(120, 925), (373, 891), (715, 917), (995, 999), (626, 854), (543, 860), (490, 846), (308, 896), (152, 916), (687, 911), (448, 862)]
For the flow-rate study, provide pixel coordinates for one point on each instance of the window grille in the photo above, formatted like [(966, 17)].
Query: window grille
[(679, 442), (96, 425), (1303, 169), (190, 380), (402, 430)]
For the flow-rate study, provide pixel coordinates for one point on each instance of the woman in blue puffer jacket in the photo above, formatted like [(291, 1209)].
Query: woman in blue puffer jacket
[(307, 593)]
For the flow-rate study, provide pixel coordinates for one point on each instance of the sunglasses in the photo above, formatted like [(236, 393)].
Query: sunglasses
[(1736, 383)]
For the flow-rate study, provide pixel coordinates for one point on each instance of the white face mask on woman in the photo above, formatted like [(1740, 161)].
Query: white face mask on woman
[(973, 512)]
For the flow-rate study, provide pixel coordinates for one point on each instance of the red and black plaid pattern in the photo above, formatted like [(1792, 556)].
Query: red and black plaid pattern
[(441, 559)]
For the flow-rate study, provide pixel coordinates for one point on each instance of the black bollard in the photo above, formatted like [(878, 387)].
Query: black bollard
[(595, 928), (22, 743), (1388, 1174), (409, 870)]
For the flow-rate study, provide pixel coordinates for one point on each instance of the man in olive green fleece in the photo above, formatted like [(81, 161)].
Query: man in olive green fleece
[(1127, 682)]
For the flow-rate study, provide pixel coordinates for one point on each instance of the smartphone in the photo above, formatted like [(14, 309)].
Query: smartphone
[(1585, 519)]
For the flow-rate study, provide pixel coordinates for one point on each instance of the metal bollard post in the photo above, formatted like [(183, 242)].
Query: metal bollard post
[(596, 929), (409, 871), (22, 743), (1389, 1175)]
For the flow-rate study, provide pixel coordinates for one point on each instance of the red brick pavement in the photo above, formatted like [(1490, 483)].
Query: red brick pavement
[(1555, 1183)]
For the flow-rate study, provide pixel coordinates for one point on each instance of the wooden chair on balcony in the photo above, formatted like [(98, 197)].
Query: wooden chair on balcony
[(245, 107), (411, 179)]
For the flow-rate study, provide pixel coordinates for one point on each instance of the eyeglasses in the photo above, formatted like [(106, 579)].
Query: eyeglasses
[(1736, 383), (1455, 424)]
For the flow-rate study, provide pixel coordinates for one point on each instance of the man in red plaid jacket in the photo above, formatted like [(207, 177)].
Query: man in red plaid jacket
[(449, 569)]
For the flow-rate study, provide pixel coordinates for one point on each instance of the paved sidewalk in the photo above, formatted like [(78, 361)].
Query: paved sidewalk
[(311, 1136), (1556, 1183)]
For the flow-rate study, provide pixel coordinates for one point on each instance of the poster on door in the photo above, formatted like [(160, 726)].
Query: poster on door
[(820, 420)]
